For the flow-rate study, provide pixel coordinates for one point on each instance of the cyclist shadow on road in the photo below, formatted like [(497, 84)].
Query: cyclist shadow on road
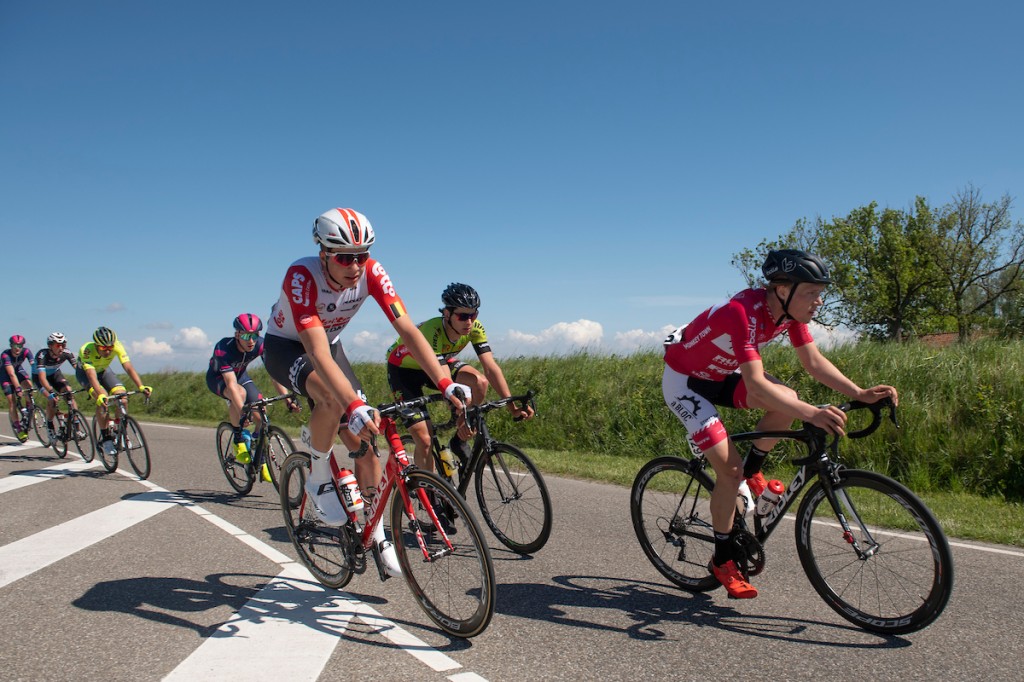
[(160, 599), (657, 613)]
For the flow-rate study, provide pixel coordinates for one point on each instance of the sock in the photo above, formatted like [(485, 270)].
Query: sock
[(321, 465), (723, 548), (752, 464)]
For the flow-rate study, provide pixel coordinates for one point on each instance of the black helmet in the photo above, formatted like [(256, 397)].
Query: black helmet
[(460, 296), (104, 337), (791, 265)]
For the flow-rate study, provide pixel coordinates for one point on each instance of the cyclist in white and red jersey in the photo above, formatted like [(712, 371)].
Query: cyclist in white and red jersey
[(715, 360), (319, 296)]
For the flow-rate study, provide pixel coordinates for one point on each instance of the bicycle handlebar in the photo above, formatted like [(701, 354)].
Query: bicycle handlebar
[(525, 399), (267, 401), (876, 415)]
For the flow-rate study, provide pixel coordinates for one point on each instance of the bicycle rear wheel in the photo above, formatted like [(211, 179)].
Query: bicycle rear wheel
[(903, 576), (318, 547), (278, 447), (39, 426), (513, 498), (454, 587), (240, 476), (80, 435), (671, 508)]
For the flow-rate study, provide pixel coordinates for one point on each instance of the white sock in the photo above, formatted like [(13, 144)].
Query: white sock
[(321, 465)]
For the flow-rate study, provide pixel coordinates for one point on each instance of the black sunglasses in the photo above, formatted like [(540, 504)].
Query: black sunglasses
[(465, 317)]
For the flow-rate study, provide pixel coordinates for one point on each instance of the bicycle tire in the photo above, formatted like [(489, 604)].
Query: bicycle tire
[(136, 448), (904, 584), (60, 442), (109, 461), (80, 434), (322, 554), (456, 590), (39, 426), (670, 504), (513, 498), (240, 476), (277, 446)]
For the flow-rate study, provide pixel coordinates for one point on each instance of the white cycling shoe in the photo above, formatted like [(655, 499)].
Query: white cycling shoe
[(326, 505), (387, 552)]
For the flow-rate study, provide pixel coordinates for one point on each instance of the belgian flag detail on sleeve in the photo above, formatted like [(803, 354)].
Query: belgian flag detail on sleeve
[(397, 310)]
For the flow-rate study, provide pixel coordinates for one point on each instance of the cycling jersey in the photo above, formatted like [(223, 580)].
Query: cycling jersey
[(9, 359), (446, 349), (228, 358), (308, 300), (91, 358), (727, 335), (49, 364)]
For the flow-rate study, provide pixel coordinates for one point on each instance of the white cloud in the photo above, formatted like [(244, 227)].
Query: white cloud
[(114, 307), (150, 347), (192, 338), (639, 339), (558, 338), (159, 325), (365, 339), (830, 338)]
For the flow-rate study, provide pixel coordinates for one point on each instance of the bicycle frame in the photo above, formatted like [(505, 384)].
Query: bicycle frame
[(818, 463)]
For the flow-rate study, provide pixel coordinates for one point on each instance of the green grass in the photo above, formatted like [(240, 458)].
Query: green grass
[(960, 445)]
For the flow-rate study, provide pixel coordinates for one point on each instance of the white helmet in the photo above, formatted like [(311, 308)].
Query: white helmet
[(343, 228), (56, 337)]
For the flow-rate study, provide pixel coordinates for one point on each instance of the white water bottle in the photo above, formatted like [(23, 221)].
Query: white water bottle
[(770, 497), (350, 495), (744, 500)]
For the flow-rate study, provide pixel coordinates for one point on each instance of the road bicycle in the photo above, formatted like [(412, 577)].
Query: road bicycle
[(31, 416), (72, 427), (870, 548), (510, 491), (269, 447), (445, 562), (128, 437)]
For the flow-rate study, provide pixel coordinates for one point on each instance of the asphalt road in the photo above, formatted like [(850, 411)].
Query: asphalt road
[(106, 577)]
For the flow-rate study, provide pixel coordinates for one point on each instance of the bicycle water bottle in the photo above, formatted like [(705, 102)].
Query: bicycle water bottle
[(770, 497), (350, 495), (447, 461)]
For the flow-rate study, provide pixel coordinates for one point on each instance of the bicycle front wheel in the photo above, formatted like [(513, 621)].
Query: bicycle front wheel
[(109, 461), (892, 572), (513, 498), (277, 447), (79, 433), (39, 426), (453, 585), (317, 546), (670, 504), (240, 476), (136, 448)]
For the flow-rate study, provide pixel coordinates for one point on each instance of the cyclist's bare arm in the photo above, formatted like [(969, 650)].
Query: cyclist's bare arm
[(824, 372), (130, 369), (496, 378), (766, 395)]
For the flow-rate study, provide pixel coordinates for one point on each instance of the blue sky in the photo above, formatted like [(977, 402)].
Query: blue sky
[(590, 167)]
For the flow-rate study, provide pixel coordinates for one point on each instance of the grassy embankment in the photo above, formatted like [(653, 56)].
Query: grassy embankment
[(960, 445)]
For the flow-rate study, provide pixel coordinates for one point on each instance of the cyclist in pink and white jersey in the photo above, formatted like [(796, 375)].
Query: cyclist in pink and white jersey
[(319, 296), (715, 360)]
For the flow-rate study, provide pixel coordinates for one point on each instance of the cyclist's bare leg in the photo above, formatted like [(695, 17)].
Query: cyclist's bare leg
[(728, 466), (235, 396), (420, 432), (478, 384)]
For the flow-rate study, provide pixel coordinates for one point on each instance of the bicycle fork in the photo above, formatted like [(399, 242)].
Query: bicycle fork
[(840, 501)]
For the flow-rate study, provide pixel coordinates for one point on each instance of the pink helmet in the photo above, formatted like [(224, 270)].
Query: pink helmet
[(17, 340), (248, 323)]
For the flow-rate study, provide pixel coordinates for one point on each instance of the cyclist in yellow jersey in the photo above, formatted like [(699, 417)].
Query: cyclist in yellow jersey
[(448, 335), (94, 373)]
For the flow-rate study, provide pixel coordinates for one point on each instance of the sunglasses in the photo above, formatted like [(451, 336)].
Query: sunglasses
[(346, 259), (248, 336), (465, 317), (104, 348)]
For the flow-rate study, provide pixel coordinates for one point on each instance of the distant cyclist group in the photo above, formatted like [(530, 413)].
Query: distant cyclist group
[(713, 361)]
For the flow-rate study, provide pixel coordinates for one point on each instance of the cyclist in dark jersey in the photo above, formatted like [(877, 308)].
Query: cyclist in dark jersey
[(14, 378), (227, 376), (49, 379), (448, 335), (715, 360)]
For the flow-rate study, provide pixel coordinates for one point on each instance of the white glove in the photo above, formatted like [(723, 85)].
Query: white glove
[(467, 392), (359, 418)]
